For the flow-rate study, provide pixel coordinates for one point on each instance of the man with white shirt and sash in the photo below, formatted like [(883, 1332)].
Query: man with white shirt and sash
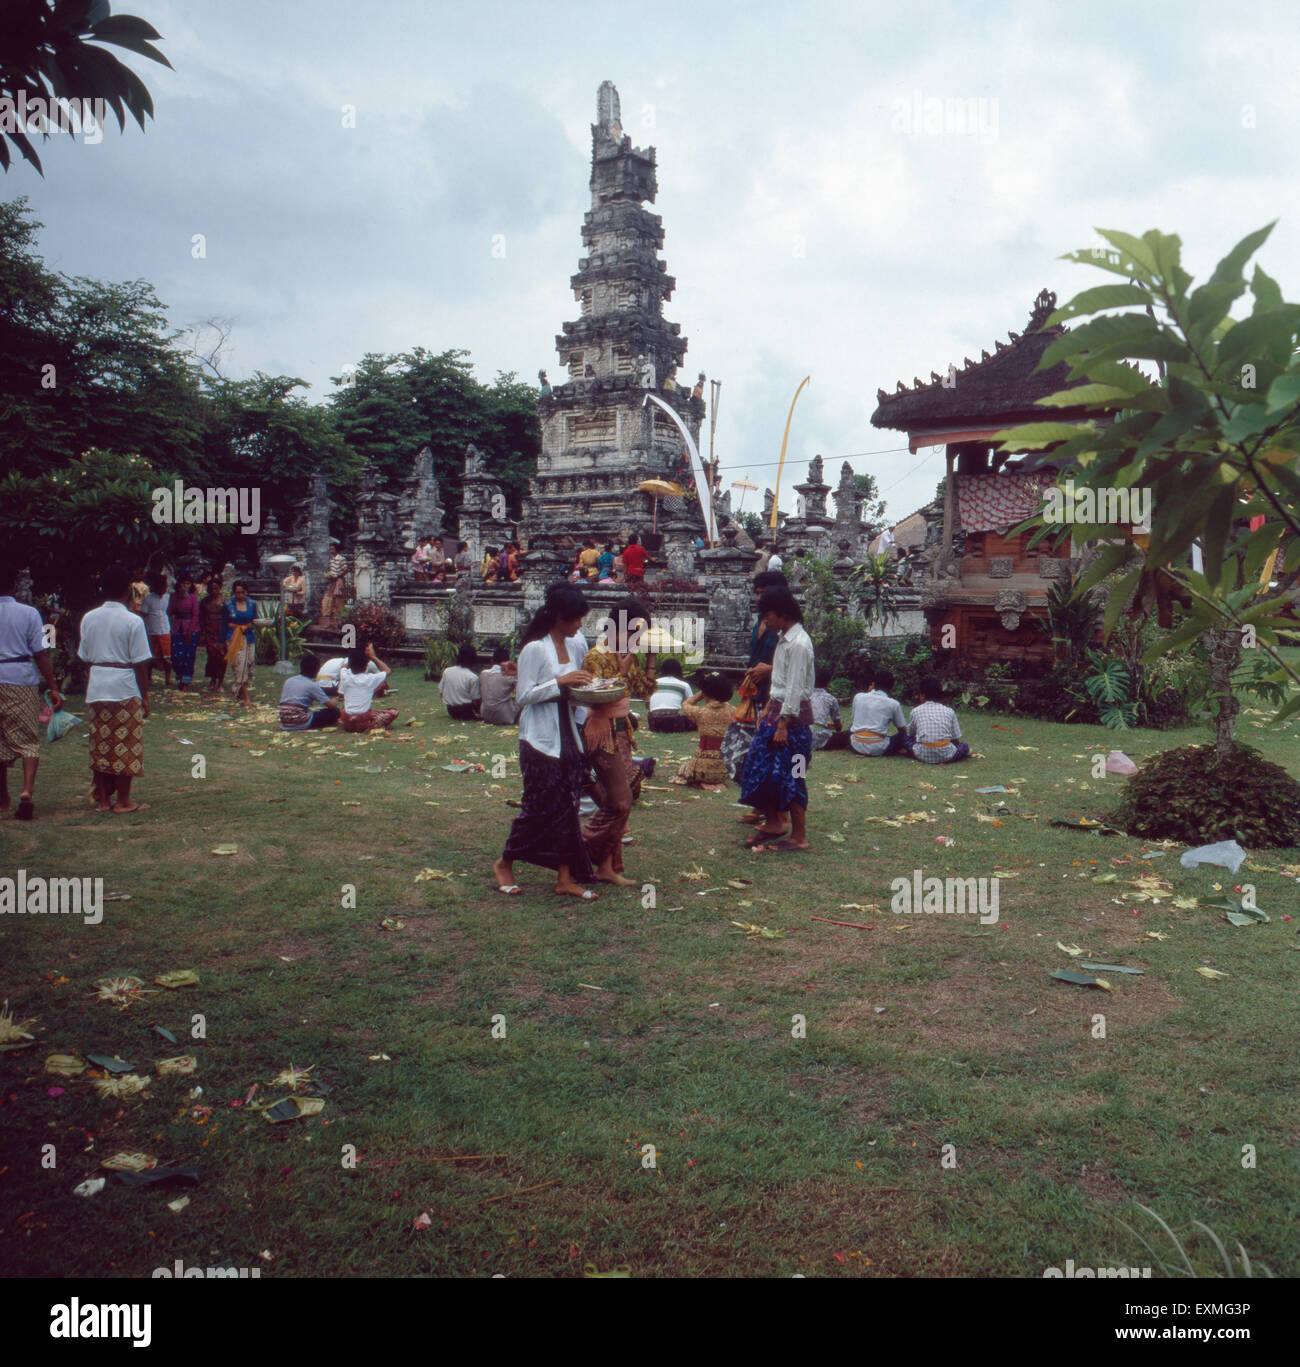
[(115, 645)]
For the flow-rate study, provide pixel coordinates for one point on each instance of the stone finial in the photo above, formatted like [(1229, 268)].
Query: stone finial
[(1044, 307), (608, 113)]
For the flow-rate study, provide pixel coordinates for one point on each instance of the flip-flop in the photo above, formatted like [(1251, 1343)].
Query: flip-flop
[(760, 840), (138, 807), (509, 889), (785, 847), (26, 809)]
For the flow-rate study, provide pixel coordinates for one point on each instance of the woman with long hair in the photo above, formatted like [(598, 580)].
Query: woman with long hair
[(184, 613), (241, 641), (212, 623), (547, 830)]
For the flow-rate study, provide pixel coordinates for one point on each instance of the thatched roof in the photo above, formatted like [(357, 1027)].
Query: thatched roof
[(1001, 387)]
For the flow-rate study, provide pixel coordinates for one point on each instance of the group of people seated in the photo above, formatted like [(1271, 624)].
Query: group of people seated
[(597, 564), (488, 696), (338, 692), (432, 564), (501, 563), (931, 734)]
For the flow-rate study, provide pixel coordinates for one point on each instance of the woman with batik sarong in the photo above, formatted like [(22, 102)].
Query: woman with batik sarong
[(240, 638), (183, 611), (211, 624), (547, 830), (774, 779)]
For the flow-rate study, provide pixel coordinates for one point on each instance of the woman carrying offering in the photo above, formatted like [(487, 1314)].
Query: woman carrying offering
[(240, 640), (547, 830)]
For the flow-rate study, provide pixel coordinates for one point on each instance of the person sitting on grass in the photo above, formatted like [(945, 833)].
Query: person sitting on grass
[(329, 673), (459, 686), (666, 702), (497, 705), (933, 727), (298, 695), (873, 711), (709, 711), (358, 688), (828, 731)]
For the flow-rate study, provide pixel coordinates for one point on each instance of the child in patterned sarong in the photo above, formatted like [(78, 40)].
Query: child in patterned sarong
[(774, 780), (710, 709)]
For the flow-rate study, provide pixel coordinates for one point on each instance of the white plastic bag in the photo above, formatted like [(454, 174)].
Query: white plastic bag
[(1117, 762), (1227, 853)]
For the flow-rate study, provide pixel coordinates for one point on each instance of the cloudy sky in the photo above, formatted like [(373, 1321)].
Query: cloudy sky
[(815, 226)]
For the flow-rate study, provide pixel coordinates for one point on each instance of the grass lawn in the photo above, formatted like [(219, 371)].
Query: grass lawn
[(628, 1024)]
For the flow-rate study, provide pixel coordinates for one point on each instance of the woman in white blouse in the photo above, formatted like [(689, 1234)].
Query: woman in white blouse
[(547, 830)]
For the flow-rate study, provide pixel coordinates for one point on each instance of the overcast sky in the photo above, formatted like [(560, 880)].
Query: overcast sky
[(813, 226)]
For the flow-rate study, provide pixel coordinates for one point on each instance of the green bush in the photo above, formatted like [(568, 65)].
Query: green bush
[(439, 654), (1191, 796), (377, 626), (841, 688)]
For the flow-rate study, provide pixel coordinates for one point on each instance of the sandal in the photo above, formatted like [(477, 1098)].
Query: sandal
[(509, 889)]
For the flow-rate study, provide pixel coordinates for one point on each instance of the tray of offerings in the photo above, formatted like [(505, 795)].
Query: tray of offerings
[(600, 692)]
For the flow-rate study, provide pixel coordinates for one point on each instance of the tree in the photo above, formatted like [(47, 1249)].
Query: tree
[(873, 506), (754, 526), (391, 406), (69, 522), (48, 54), (1213, 441)]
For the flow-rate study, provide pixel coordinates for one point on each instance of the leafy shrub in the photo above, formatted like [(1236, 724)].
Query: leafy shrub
[(1190, 796), (1108, 687), (439, 654), (377, 626), (841, 688)]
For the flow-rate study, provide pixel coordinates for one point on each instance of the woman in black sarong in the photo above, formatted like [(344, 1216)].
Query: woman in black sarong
[(547, 830)]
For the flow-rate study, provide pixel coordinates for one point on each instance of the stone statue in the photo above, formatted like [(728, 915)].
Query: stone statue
[(545, 384), (698, 391), (815, 471), (475, 465), (645, 371)]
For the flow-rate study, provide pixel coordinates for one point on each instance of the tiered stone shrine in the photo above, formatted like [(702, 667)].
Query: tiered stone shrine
[(599, 439)]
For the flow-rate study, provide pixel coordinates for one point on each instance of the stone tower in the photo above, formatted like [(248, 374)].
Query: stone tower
[(598, 439)]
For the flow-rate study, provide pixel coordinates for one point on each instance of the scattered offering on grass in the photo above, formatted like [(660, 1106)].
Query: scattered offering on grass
[(1211, 973), (65, 1065), (92, 1186), (129, 1162), (181, 977), (184, 1064), (13, 1033), (1066, 975), (130, 1084), (120, 992), (291, 1108), (434, 875), (226, 849)]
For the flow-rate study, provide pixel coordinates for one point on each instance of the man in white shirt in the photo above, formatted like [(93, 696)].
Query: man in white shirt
[(874, 711), (358, 688), (116, 646), (24, 663), (328, 674), (774, 561), (459, 686), (774, 779), (665, 705)]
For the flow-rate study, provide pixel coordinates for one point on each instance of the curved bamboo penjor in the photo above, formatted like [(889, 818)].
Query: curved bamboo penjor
[(697, 465), (776, 501)]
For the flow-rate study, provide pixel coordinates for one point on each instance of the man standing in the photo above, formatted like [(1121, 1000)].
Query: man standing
[(115, 645), (775, 774), (24, 663), (331, 608)]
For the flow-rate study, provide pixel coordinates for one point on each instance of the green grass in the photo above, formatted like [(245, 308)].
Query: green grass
[(773, 1154)]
